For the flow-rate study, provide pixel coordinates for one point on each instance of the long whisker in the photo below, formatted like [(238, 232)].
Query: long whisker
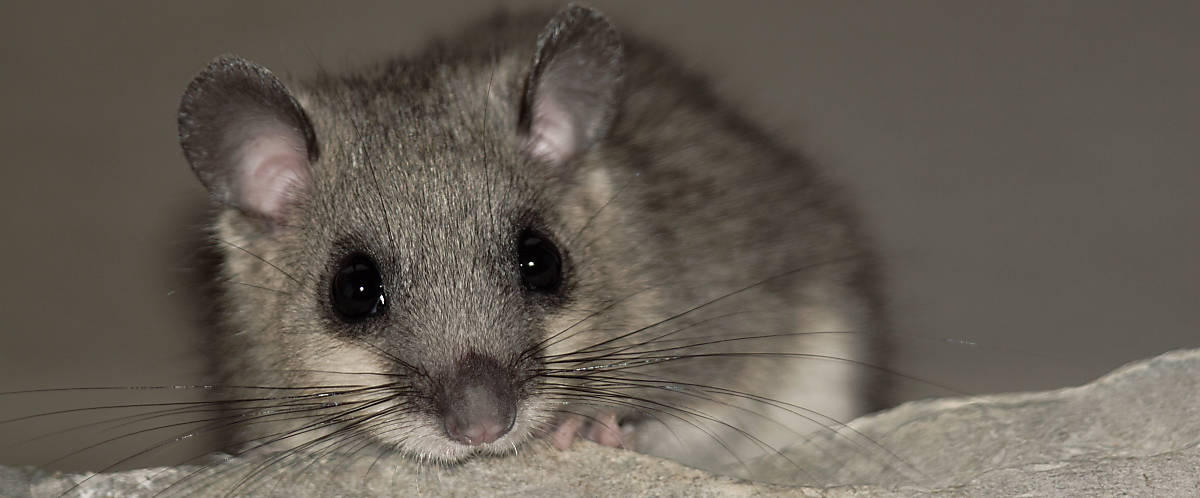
[(556, 338), (677, 412), (647, 360), (260, 258), (261, 287), (596, 214), (797, 410), (723, 297)]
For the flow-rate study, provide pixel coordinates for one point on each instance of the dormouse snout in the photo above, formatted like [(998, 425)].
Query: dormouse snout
[(477, 401)]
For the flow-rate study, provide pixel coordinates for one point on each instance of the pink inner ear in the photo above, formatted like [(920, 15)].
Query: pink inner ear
[(273, 170), (552, 136)]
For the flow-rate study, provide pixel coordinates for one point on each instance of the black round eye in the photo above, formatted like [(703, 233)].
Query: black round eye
[(540, 263), (357, 289)]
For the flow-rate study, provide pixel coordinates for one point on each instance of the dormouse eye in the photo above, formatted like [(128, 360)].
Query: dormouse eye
[(357, 289), (539, 262)]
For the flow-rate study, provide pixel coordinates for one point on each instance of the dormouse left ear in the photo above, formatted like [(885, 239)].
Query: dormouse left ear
[(571, 94), (247, 139)]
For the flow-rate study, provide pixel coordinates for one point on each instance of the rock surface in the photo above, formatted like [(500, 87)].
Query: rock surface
[(1135, 431)]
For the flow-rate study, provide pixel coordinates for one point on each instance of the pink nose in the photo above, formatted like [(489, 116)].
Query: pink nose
[(477, 417)]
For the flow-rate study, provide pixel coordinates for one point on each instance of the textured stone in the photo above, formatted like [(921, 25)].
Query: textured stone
[(1135, 431)]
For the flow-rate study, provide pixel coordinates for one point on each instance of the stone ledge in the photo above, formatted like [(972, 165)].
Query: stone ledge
[(1134, 431)]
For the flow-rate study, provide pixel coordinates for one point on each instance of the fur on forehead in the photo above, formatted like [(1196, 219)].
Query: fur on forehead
[(444, 150), (447, 127)]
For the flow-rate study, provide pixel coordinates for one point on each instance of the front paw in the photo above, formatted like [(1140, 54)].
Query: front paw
[(603, 429)]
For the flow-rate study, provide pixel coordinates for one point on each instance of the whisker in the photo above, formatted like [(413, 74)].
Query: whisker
[(596, 214), (723, 297), (555, 337), (303, 430), (262, 287), (213, 424), (621, 348), (644, 403), (272, 438), (260, 258), (814, 356), (794, 409)]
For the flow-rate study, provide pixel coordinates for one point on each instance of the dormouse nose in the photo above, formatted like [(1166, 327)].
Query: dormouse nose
[(478, 404)]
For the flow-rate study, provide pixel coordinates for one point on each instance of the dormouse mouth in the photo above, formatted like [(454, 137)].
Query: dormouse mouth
[(430, 443)]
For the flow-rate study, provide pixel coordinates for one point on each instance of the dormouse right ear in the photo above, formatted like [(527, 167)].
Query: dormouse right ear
[(246, 137), (572, 90)]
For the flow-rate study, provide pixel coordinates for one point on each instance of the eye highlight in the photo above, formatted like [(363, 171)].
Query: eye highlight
[(540, 263), (356, 290)]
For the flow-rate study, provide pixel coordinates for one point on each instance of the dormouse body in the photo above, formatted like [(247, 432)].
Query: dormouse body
[(534, 231)]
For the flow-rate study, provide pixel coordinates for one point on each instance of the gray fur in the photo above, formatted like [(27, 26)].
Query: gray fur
[(424, 167)]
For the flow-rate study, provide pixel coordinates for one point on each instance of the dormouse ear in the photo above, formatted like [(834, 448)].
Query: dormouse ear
[(246, 137), (571, 94)]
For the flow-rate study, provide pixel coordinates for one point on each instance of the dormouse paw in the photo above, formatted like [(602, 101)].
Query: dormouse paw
[(603, 429)]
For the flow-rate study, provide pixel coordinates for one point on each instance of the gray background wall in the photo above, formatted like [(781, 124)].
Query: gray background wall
[(1029, 168)]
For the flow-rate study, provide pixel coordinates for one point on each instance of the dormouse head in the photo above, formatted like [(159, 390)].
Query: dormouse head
[(413, 230)]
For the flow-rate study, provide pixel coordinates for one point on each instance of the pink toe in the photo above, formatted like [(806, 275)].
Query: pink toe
[(605, 431), (564, 434)]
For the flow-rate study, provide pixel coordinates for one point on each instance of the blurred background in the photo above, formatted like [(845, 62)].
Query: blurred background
[(1029, 168)]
